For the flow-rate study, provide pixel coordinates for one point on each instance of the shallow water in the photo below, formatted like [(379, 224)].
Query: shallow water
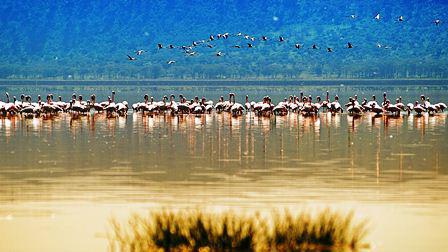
[(62, 178)]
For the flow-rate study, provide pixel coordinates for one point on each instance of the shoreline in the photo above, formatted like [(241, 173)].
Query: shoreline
[(249, 82)]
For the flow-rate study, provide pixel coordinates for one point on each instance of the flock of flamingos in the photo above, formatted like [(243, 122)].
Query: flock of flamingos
[(302, 104)]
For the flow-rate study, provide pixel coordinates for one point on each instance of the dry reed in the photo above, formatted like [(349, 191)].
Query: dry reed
[(195, 230)]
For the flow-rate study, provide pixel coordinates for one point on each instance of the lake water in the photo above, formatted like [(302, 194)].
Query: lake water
[(63, 178)]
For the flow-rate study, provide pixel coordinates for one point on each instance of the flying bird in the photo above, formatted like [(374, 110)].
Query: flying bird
[(314, 46), (249, 45), (171, 46), (329, 49), (139, 52), (218, 54), (349, 45), (131, 58), (281, 39), (377, 17), (160, 46), (297, 46), (401, 18), (170, 62), (237, 46), (437, 21), (264, 38)]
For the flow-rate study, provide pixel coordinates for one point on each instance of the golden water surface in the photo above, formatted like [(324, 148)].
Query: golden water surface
[(63, 178)]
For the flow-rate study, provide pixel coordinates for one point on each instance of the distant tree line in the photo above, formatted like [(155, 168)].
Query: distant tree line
[(84, 40)]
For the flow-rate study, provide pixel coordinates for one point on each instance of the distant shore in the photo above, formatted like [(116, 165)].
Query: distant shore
[(274, 82)]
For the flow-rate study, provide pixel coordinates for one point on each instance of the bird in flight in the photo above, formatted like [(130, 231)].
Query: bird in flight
[(219, 54), (377, 17), (160, 46), (349, 45), (401, 18), (281, 38), (437, 21), (139, 52), (314, 46), (297, 46), (249, 45), (170, 62), (329, 49), (131, 58)]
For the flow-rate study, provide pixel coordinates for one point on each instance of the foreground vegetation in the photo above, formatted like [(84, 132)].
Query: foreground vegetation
[(167, 230)]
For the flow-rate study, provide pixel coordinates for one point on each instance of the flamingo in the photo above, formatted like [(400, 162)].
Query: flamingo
[(308, 106), (317, 105), (393, 109), (373, 102), (248, 105), (220, 104), (440, 106), (122, 108), (228, 104), (409, 107), (418, 108), (326, 103), (353, 108), (335, 105), (265, 108), (207, 105), (236, 108), (294, 105), (9, 107), (375, 108), (399, 104), (111, 106)]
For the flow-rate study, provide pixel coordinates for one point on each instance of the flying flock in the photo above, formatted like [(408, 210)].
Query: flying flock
[(249, 41)]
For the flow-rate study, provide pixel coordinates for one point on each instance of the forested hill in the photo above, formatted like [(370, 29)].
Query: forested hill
[(82, 39)]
